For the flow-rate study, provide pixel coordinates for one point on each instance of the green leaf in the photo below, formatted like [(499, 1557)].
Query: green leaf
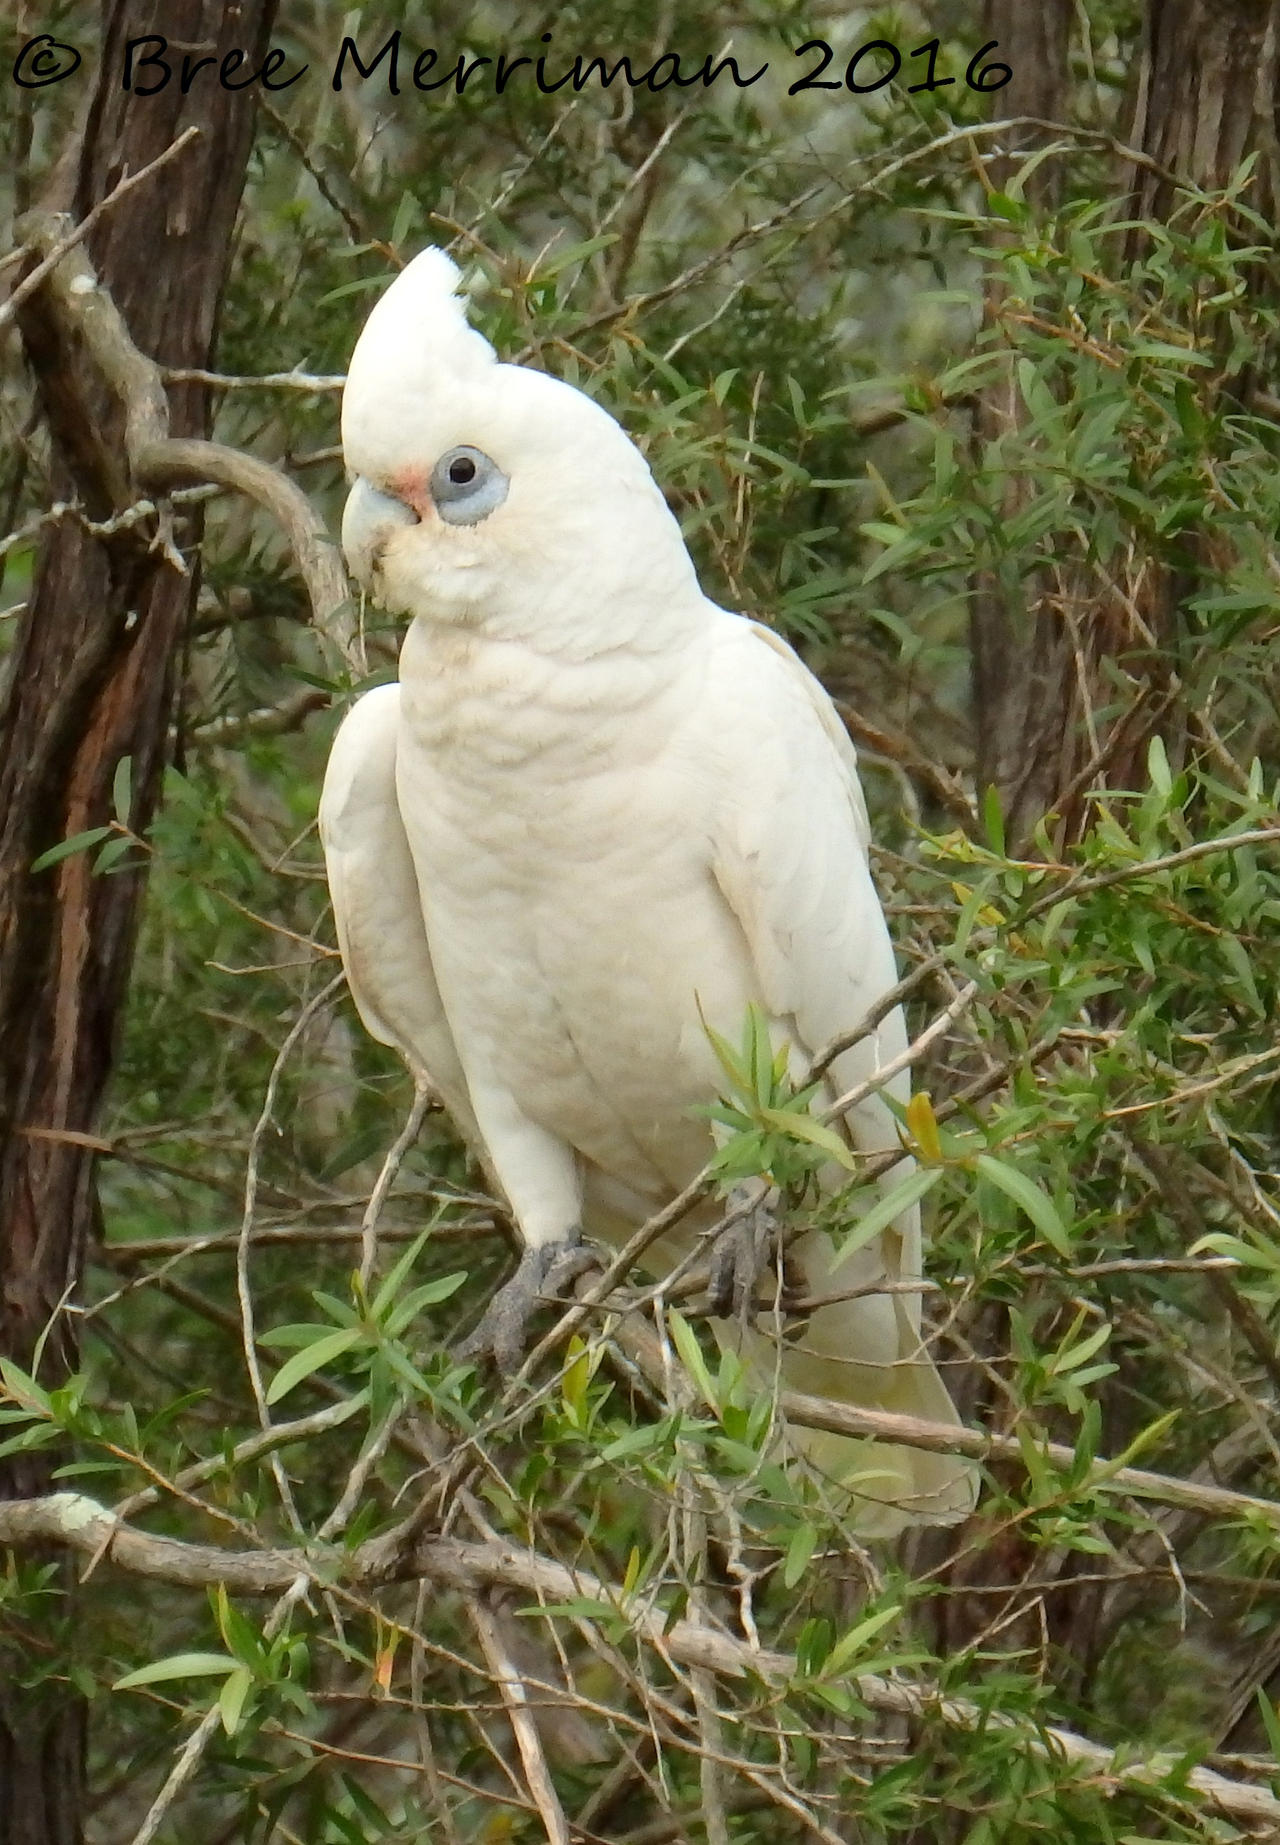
[(429, 1294), (122, 790), (1077, 1355), (24, 1390), (1029, 1197), (231, 1699), (1158, 768), (311, 1358), (178, 1665), (1237, 955), (800, 1124), (855, 1641), (406, 218), (297, 1332), (395, 1279), (363, 285), (583, 1609), (993, 819), (577, 1376), (691, 1353), (111, 853), (900, 1198), (804, 1541), (572, 253), (78, 842), (1270, 1722)]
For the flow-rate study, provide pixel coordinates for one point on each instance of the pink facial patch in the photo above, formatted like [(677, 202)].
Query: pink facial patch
[(410, 485)]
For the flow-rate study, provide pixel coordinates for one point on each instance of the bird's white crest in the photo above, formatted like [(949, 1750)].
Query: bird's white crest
[(416, 348), (422, 382)]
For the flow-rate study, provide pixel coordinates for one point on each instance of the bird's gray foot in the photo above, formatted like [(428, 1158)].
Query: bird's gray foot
[(503, 1331), (747, 1246)]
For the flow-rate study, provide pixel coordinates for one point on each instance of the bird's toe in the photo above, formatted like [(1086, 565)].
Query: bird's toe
[(502, 1332), (746, 1247)]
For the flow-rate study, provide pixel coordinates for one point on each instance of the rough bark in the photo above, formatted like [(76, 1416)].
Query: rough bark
[(91, 681), (1017, 656)]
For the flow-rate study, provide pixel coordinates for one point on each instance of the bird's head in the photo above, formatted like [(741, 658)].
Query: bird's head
[(491, 495)]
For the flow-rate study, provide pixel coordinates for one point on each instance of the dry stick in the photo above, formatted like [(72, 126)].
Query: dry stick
[(515, 1696), (1083, 886), (80, 1523), (158, 460), (264, 381), (193, 1749), (159, 1248), (943, 1438), (249, 1338), (874, 1015), (423, 1096), (914, 1051), (252, 1448), (68, 241)]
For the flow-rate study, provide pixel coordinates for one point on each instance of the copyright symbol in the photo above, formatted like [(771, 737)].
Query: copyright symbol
[(44, 60)]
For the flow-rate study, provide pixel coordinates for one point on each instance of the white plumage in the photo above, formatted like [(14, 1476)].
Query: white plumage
[(596, 811)]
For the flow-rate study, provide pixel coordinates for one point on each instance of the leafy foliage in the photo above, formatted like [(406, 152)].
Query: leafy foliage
[(786, 307)]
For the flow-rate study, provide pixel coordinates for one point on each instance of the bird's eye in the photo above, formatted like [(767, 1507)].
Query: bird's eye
[(466, 486)]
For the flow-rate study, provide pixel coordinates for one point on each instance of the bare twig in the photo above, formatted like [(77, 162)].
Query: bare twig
[(914, 1051), (193, 1749), (69, 239), (423, 1097), (248, 1332), (515, 1697)]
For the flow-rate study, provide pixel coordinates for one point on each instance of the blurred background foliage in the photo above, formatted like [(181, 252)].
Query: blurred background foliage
[(892, 366)]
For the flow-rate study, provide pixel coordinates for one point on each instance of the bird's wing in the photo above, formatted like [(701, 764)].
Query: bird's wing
[(376, 905), (790, 854)]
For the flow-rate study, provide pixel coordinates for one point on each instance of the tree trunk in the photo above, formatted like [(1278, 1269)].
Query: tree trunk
[(1015, 673), (1205, 96), (91, 682)]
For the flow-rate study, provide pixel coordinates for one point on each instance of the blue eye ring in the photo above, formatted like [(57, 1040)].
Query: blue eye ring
[(466, 485)]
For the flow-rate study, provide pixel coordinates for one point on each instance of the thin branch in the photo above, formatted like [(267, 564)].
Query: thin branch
[(68, 240), (80, 1523), (905, 1058), (157, 460), (189, 1756), (515, 1696), (264, 381), (249, 1339), (423, 1098)]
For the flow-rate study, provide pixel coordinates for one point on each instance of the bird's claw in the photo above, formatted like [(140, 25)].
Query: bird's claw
[(503, 1329), (747, 1246)]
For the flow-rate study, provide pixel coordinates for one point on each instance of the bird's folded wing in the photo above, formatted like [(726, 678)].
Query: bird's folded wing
[(790, 849), (789, 853), (376, 904)]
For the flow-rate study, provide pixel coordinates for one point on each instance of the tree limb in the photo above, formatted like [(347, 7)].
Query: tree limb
[(82, 1524), (156, 460)]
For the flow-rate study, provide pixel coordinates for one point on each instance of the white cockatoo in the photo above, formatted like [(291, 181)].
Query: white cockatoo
[(597, 814)]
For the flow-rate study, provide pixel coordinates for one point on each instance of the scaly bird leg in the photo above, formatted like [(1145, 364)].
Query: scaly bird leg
[(747, 1245), (503, 1330)]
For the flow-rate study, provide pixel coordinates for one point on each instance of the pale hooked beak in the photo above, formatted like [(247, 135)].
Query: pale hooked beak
[(368, 521)]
